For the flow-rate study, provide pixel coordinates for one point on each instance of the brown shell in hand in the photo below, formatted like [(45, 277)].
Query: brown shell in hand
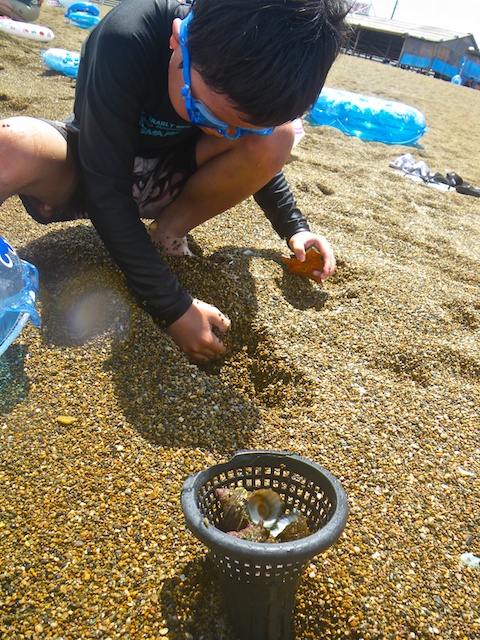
[(313, 262)]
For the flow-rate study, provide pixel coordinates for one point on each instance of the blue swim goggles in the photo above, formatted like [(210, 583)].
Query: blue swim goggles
[(198, 113)]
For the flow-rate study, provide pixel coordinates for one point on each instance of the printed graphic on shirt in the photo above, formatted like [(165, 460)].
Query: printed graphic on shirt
[(150, 126)]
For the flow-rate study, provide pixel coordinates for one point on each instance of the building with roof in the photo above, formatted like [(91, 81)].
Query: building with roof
[(428, 49)]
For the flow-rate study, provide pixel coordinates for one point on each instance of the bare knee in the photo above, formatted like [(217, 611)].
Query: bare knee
[(19, 10), (38, 162), (12, 158), (273, 151)]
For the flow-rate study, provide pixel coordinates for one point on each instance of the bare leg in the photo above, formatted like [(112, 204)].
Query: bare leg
[(18, 10), (39, 164), (167, 244), (35, 161), (229, 171)]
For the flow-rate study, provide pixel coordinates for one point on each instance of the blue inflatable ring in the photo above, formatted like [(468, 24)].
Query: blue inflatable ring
[(18, 292), (83, 14), (368, 117)]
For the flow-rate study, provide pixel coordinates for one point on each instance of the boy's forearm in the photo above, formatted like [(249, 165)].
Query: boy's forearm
[(277, 202)]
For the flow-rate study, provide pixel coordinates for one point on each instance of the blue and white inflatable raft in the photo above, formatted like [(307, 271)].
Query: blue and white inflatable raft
[(84, 15), (61, 60), (368, 117), (18, 293), (25, 30)]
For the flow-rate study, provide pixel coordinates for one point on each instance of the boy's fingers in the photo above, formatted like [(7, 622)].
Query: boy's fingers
[(221, 322)]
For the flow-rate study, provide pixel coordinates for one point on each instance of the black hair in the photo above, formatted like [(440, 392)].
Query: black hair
[(270, 57)]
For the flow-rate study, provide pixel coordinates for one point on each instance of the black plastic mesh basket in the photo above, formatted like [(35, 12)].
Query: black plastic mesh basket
[(260, 579)]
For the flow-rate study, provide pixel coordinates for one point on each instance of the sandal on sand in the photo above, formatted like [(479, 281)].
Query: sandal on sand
[(419, 172), (468, 190), (454, 177), (463, 187), (441, 179)]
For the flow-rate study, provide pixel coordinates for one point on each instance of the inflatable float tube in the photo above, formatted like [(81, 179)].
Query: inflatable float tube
[(25, 30), (61, 60), (18, 292), (367, 117), (84, 15)]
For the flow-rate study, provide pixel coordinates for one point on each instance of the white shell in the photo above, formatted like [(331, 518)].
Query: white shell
[(282, 523), (265, 505), (471, 560)]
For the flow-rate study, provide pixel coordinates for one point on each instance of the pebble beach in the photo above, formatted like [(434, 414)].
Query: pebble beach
[(374, 375)]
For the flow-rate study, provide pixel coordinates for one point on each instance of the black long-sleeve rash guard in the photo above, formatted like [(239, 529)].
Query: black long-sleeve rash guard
[(122, 110)]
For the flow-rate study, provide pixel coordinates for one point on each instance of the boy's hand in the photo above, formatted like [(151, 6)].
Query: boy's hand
[(193, 332), (300, 242)]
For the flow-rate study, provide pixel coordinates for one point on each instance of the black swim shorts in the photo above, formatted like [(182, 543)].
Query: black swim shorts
[(156, 181)]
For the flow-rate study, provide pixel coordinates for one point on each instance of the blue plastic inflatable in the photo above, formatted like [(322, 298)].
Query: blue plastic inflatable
[(18, 292), (83, 14), (61, 60), (367, 117)]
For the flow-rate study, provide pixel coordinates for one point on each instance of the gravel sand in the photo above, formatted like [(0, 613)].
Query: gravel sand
[(374, 375)]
